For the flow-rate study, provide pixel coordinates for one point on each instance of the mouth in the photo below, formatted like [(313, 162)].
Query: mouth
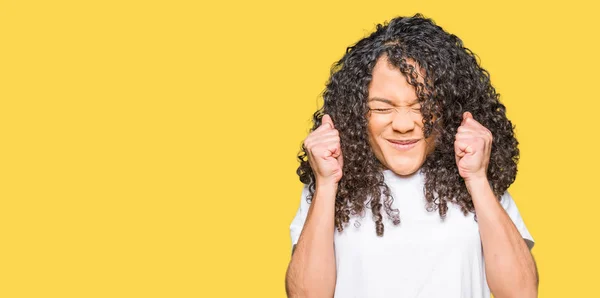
[(403, 144)]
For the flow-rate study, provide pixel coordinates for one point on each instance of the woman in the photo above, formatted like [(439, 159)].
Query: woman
[(410, 145)]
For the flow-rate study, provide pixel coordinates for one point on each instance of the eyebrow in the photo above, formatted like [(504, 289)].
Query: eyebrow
[(413, 102)]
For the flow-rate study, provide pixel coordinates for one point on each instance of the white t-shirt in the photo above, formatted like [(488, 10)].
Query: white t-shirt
[(421, 257)]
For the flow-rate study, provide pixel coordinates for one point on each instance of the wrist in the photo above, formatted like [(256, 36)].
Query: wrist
[(326, 186), (478, 185), (328, 183), (325, 193)]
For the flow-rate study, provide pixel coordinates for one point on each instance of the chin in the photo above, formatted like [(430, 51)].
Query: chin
[(404, 169), (405, 172)]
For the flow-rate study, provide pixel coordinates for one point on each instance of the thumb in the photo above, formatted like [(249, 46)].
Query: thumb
[(327, 120), (465, 116)]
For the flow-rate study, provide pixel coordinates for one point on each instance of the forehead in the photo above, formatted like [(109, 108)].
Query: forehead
[(389, 83)]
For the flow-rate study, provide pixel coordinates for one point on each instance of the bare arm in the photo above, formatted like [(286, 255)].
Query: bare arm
[(509, 265), (510, 268), (311, 272)]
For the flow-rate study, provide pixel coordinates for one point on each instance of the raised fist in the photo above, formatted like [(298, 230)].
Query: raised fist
[(325, 153)]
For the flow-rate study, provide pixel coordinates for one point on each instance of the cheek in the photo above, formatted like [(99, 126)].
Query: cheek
[(376, 127), (375, 130)]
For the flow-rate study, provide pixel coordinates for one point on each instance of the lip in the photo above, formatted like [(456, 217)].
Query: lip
[(403, 147)]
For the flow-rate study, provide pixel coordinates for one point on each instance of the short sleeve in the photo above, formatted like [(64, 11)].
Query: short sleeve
[(513, 212), (298, 221)]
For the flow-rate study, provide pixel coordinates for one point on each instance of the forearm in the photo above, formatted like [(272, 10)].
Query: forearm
[(509, 265), (311, 272)]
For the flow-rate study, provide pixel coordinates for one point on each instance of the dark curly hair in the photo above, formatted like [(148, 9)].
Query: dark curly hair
[(454, 82)]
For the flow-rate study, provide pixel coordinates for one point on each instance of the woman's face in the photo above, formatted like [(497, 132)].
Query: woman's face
[(394, 118)]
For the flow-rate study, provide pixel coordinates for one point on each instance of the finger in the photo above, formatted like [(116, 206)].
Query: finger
[(324, 141), (457, 149), (470, 135), (317, 137), (464, 128), (327, 120), (468, 118), (464, 136), (473, 137), (462, 148), (325, 124), (323, 127), (469, 149), (473, 142), (333, 150), (475, 132), (336, 151), (324, 135)]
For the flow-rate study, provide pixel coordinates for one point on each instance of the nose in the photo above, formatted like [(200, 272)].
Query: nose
[(403, 121)]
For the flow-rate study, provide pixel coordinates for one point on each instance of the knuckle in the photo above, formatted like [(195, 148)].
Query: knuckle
[(307, 144)]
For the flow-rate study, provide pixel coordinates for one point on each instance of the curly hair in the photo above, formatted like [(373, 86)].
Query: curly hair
[(454, 82)]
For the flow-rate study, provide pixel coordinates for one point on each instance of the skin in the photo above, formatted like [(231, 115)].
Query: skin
[(389, 89), (312, 270), (510, 268)]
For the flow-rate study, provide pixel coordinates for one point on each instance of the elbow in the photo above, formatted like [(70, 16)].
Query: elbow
[(528, 285), (531, 287), (518, 288), (531, 291), (523, 293), (294, 289), (528, 290), (291, 286)]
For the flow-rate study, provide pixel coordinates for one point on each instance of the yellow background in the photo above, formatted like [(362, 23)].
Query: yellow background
[(148, 148)]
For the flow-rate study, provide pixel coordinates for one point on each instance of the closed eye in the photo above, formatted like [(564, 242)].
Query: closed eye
[(381, 110)]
